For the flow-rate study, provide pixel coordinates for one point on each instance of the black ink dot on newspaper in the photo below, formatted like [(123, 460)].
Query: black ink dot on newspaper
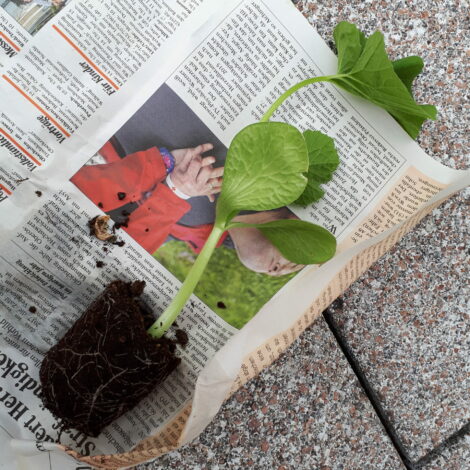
[(220, 304), (99, 264), (121, 196), (38, 193), (33, 309)]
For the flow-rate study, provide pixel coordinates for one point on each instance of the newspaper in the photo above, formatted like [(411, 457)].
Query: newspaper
[(92, 94)]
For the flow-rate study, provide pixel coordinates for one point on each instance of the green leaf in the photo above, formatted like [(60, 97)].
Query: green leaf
[(312, 193), (264, 169), (323, 161), (408, 69), (298, 241), (372, 77), (352, 42)]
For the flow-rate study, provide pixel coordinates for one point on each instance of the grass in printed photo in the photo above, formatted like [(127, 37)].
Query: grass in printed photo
[(234, 292)]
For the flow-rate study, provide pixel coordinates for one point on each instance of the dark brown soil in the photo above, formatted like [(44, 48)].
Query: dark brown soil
[(106, 363), (182, 337), (118, 225)]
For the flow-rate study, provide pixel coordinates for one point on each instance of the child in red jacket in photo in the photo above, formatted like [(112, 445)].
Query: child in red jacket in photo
[(160, 182)]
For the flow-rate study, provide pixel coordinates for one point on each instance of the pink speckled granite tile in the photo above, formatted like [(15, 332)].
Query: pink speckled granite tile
[(307, 411), (407, 322), (454, 456)]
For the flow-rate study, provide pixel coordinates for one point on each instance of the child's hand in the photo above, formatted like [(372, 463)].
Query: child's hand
[(194, 175)]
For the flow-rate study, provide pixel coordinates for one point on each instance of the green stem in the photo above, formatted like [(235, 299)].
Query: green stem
[(290, 91), (164, 322), (159, 328)]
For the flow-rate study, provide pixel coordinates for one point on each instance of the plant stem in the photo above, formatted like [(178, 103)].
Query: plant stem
[(164, 322), (159, 328), (290, 91)]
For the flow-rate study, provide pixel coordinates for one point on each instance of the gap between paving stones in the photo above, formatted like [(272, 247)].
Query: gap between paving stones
[(378, 408)]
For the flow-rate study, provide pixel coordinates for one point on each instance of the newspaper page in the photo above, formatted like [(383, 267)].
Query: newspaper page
[(232, 61)]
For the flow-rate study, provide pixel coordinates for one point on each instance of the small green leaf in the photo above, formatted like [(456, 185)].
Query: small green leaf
[(372, 77), (323, 161), (408, 69), (298, 241), (352, 41), (264, 169), (312, 193)]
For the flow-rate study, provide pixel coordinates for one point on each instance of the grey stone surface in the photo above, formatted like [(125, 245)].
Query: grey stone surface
[(406, 319), (454, 456), (307, 411)]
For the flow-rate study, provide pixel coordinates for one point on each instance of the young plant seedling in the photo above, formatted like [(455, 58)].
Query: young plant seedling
[(107, 362), (272, 164)]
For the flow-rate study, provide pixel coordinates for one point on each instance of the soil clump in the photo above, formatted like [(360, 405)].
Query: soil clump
[(107, 362)]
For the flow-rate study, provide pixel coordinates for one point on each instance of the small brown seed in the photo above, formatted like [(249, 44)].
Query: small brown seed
[(99, 227)]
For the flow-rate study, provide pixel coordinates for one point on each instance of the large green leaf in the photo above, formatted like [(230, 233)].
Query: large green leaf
[(323, 161), (298, 241), (372, 77), (265, 169)]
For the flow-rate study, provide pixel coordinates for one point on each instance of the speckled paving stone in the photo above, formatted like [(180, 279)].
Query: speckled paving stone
[(306, 412), (407, 319), (454, 456)]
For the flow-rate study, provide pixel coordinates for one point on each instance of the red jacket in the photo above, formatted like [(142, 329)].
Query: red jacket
[(140, 177)]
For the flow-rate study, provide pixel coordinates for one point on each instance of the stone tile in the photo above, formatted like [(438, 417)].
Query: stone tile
[(307, 411), (407, 322), (454, 456)]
